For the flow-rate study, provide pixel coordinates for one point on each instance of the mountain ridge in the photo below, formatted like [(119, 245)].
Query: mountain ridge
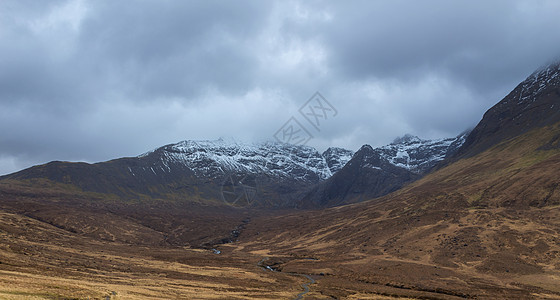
[(375, 172), (485, 225), (278, 174), (518, 112)]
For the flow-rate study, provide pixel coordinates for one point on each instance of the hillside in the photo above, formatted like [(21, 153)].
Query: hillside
[(197, 172), (486, 225), (267, 175), (532, 104), (483, 227)]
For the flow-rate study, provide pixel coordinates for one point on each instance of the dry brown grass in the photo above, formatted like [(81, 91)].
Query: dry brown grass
[(486, 227), (39, 261)]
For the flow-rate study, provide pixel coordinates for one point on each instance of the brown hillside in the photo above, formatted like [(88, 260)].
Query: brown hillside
[(484, 227)]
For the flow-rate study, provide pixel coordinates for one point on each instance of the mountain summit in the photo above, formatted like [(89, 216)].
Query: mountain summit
[(482, 223), (266, 175), (374, 172), (199, 170), (483, 226), (405, 139), (534, 103)]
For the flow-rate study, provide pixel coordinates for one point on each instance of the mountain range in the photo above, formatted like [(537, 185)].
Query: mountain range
[(279, 175), (475, 216), (483, 224)]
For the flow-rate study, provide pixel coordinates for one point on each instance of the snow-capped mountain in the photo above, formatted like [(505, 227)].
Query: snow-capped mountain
[(374, 172), (418, 155), (267, 174), (213, 159), (532, 104), (282, 175)]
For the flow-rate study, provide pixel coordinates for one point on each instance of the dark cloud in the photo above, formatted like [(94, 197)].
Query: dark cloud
[(170, 49), (94, 80), (484, 46)]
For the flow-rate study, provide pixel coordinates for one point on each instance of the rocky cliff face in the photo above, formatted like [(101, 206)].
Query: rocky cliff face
[(337, 158)]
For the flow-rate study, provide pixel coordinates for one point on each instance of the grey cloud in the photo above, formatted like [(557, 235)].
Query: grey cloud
[(95, 80), (175, 49), (484, 44)]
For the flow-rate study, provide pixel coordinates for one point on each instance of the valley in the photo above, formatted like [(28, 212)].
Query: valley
[(476, 216)]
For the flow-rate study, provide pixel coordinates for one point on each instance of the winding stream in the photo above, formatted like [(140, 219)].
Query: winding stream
[(305, 286)]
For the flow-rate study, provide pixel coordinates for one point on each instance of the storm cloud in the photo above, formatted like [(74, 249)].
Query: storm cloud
[(95, 80)]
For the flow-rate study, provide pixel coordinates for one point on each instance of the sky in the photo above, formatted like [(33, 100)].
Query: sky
[(96, 80)]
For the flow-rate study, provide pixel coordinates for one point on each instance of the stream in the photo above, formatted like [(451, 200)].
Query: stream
[(305, 286)]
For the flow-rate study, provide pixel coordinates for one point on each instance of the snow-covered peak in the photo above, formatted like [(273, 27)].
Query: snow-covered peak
[(418, 155), (406, 139), (279, 161), (536, 83), (365, 147), (216, 158)]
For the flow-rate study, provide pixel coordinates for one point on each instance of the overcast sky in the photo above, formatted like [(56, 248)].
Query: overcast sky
[(96, 80)]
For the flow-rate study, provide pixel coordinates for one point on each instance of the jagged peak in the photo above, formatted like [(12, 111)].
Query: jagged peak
[(365, 148), (337, 149), (406, 139), (333, 150), (207, 157), (213, 158), (232, 143)]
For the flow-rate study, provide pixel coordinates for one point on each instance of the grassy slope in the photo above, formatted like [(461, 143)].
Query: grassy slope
[(108, 217), (40, 261), (517, 173), (486, 226)]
